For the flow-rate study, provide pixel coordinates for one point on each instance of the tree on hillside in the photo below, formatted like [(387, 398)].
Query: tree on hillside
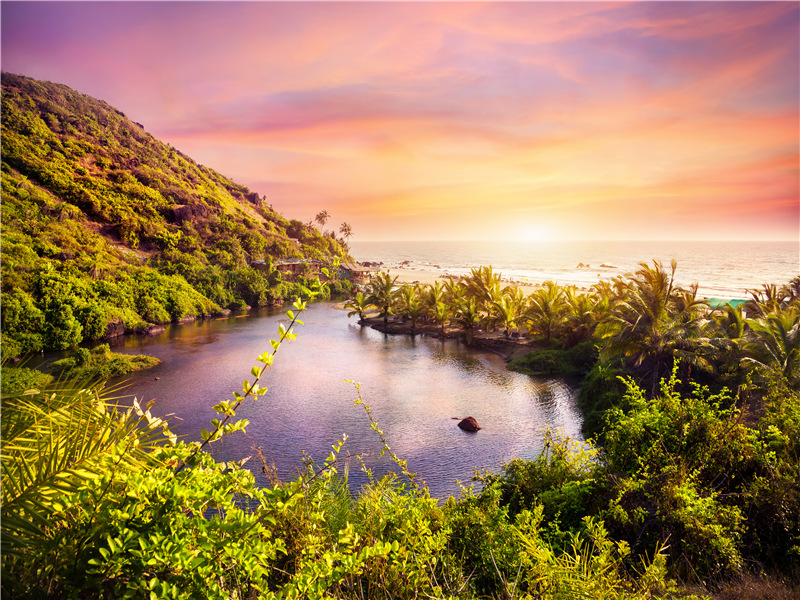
[(346, 231), (322, 218)]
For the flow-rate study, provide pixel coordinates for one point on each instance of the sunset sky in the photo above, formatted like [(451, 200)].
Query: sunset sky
[(448, 120)]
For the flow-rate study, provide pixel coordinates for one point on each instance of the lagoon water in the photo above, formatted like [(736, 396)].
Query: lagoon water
[(722, 269), (413, 385)]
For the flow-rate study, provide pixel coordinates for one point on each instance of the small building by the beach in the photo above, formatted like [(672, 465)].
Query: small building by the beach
[(294, 267), (260, 265), (357, 273)]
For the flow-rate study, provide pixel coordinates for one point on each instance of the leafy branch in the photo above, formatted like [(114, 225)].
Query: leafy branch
[(250, 389)]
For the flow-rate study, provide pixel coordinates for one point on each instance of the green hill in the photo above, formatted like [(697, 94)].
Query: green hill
[(106, 228)]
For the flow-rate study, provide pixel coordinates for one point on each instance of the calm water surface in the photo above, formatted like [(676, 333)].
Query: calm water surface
[(414, 386)]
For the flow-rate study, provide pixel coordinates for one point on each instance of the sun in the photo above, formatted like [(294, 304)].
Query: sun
[(533, 233)]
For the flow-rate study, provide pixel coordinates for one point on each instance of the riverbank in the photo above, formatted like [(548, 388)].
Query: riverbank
[(494, 341)]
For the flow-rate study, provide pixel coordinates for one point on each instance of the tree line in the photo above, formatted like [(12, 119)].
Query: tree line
[(641, 322)]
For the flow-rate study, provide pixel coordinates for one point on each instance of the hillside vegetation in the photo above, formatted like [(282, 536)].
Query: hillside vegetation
[(105, 228)]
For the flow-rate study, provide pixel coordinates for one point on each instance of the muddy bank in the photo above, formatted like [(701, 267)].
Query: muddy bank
[(494, 341)]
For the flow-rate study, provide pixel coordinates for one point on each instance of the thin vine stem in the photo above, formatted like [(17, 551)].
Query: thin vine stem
[(252, 389)]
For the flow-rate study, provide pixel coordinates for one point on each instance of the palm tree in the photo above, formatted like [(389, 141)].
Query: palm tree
[(767, 300), (483, 285), (729, 321), (432, 294), (656, 322), (547, 310), (408, 303), (441, 312), (346, 231), (454, 291), (322, 217), (504, 312), (792, 290), (94, 265), (468, 316), (517, 297), (382, 294), (359, 304), (406, 294), (414, 309), (773, 344), (583, 314)]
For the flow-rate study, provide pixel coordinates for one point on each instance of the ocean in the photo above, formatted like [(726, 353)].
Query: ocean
[(721, 269)]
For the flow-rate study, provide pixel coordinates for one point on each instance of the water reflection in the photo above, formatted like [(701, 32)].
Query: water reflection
[(415, 386)]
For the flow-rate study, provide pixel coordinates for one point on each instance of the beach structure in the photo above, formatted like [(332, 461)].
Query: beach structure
[(357, 273), (720, 302), (298, 266)]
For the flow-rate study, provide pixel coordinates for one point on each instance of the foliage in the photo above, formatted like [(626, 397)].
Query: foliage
[(382, 294), (100, 364), (15, 380), (574, 361), (564, 480)]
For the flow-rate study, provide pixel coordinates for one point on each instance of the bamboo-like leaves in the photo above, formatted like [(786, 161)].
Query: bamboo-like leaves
[(54, 442)]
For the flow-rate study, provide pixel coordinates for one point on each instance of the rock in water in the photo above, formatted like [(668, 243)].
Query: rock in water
[(469, 424)]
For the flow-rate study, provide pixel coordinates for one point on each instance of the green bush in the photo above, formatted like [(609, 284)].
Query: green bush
[(572, 362), (16, 380), (22, 323), (100, 364)]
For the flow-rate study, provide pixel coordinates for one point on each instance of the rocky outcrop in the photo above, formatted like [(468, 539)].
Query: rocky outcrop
[(469, 424), (115, 328), (188, 212)]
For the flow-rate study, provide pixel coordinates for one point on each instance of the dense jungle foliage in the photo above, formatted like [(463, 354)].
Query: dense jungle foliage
[(106, 229)]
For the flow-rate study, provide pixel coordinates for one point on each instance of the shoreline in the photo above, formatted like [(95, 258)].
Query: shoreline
[(492, 341)]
